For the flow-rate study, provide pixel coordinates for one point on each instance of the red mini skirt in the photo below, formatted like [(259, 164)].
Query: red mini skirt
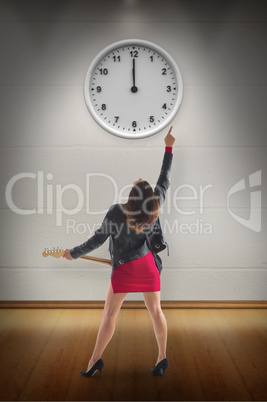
[(139, 275)]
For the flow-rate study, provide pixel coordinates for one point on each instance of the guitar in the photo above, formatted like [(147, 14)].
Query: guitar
[(58, 252)]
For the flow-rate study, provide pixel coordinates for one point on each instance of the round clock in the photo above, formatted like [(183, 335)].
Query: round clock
[(133, 88)]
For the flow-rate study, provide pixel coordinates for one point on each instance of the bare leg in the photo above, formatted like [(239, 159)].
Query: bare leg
[(152, 301), (107, 327)]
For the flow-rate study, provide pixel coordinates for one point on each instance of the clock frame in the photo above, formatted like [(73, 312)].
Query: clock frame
[(133, 89)]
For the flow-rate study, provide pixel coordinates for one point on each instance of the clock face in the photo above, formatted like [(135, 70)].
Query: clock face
[(133, 89)]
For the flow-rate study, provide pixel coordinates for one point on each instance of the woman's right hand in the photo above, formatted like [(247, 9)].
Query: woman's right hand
[(169, 139)]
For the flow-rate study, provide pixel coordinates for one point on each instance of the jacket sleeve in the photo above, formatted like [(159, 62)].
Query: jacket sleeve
[(99, 237), (163, 182)]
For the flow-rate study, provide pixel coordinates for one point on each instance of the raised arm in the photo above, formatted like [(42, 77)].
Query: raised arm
[(163, 182)]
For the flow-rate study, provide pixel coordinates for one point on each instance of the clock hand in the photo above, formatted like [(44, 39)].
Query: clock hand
[(134, 88), (133, 70)]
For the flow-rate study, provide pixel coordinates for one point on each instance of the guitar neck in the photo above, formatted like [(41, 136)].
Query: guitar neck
[(59, 252), (97, 260)]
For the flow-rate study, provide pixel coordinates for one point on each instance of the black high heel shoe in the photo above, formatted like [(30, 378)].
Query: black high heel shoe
[(160, 368), (97, 366)]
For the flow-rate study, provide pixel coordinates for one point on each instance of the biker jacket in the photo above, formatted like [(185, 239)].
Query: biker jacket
[(124, 243)]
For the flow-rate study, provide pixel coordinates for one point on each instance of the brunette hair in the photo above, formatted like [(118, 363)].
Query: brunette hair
[(142, 207)]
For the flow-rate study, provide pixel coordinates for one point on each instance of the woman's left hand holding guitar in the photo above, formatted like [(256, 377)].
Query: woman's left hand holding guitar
[(67, 255)]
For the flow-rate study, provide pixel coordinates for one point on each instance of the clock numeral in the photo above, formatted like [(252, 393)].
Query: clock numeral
[(117, 58), (151, 119), (164, 106), (134, 124), (103, 71), (104, 106), (98, 89), (169, 88), (164, 71), (134, 53), (116, 119), (152, 58)]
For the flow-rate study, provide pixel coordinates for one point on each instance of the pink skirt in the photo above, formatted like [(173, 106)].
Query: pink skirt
[(139, 275)]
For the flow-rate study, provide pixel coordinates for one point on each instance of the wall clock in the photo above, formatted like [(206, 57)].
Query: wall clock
[(133, 88)]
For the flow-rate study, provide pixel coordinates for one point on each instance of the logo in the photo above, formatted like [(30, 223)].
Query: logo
[(254, 220), (48, 198)]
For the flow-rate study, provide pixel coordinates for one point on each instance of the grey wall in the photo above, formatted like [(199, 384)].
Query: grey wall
[(217, 250)]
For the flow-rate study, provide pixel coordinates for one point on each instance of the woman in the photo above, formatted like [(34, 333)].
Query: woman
[(134, 267)]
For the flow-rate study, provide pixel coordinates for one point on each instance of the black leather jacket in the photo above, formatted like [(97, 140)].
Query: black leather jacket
[(125, 244)]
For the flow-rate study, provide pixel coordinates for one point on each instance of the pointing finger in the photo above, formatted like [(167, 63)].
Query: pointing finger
[(170, 131)]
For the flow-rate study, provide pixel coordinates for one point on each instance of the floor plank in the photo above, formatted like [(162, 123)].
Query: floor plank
[(214, 355)]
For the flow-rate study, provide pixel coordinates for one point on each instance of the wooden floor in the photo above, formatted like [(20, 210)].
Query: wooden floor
[(214, 355)]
